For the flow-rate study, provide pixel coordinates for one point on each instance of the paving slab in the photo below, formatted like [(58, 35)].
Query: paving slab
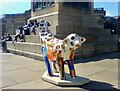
[(10, 67), (23, 75), (34, 84), (87, 69), (108, 63), (7, 81), (105, 76)]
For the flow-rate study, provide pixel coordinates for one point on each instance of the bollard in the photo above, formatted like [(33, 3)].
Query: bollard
[(4, 46)]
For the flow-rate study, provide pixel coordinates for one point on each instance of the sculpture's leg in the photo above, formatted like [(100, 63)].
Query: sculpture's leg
[(61, 68), (44, 50), (71, 68), (54, 67)]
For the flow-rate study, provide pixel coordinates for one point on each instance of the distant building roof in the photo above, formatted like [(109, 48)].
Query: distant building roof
[(99, 11), (17, 14)]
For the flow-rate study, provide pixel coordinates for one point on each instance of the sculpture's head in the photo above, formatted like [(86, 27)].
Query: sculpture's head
[(74, 41)]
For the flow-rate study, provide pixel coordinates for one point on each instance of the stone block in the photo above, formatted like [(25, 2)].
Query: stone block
[(16, 45), (86, 47), (31, 47), (103, 46), (33, 38), (38, 49)]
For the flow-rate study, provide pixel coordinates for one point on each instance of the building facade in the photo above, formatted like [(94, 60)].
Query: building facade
[(99, 12)]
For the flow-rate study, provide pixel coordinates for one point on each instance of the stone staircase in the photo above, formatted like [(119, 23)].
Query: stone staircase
[(98, 41), (31, 48)]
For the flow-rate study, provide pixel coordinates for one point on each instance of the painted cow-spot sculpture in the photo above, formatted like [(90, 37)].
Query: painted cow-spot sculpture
[(59, 51)]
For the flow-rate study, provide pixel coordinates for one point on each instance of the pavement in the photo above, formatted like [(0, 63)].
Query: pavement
[(19, 72)]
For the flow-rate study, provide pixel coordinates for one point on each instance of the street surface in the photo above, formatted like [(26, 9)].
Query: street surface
[(19, 72)]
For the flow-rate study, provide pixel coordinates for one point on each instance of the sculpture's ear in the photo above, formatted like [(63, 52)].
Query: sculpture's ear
[(82, 39), (64, 41)]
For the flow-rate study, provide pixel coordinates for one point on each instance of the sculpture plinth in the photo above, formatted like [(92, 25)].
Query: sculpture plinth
[(68, 82)]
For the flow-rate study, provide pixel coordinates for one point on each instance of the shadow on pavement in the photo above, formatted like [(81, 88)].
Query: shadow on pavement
[(99, 57), (96, 86)]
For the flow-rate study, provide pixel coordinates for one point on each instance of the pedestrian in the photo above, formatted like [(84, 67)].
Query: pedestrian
[(36, 24), (22, 34), (33, 30), (19, 34), (27, 29), (8, 37)]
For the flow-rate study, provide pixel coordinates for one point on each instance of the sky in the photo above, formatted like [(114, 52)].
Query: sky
[(111, 8), (16, 6)]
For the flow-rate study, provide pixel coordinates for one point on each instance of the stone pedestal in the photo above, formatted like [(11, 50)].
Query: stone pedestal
[(68, 82)]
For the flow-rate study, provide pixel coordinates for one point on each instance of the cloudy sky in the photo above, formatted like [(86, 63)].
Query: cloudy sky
[(19, 6)]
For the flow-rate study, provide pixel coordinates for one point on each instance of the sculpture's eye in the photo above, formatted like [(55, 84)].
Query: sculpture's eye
[(72, 38), (72, 43), (57, 47)]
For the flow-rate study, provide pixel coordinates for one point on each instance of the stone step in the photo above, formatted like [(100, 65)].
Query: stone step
[(95, 38), (75, 29), (26, 54), (87, 49), (91, 49), (90, 38), (25, 46), (30, 38)]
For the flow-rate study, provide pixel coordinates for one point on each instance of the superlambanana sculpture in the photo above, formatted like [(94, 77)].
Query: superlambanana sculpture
[(58, 51)]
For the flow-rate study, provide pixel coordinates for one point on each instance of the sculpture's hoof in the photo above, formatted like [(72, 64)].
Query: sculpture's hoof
[(62, 78), (51, 75), (73, 77)]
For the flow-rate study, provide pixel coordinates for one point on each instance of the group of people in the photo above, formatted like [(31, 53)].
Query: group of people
[(27, 29), (6, 37)]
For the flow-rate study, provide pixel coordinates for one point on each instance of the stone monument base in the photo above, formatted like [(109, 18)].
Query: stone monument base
[(68, 82)]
